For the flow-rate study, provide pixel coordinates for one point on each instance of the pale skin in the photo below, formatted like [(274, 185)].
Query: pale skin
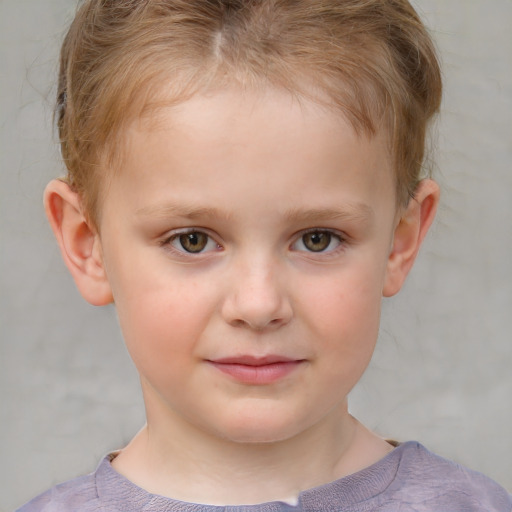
[(246, 225)]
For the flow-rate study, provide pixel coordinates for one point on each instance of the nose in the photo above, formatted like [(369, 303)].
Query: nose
[(257, 298)]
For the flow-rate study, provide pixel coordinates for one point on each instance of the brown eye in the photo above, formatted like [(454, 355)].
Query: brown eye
[(193, 242), (317, 241)]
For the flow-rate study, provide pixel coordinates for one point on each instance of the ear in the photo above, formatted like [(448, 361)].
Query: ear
[(409, 234), (79, 243)]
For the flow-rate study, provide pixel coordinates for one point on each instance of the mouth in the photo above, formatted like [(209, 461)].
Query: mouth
[(257, 370)]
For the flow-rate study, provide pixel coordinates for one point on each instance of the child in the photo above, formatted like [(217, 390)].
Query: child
[(245, 183)]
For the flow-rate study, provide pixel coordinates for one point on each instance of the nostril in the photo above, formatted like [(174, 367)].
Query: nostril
[(239, 323), (258, 324)]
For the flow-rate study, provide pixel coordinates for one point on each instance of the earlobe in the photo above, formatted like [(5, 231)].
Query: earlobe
[(409, 234), (79, 243)]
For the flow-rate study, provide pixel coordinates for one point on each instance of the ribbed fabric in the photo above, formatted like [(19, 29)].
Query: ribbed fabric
[(408, 479)]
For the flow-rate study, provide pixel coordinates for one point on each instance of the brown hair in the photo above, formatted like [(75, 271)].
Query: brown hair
[(373, 59)]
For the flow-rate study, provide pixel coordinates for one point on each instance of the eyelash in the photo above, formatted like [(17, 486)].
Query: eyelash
[(300, 239)]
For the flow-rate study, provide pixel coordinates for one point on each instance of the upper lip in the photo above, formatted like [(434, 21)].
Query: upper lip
[(249, 360)]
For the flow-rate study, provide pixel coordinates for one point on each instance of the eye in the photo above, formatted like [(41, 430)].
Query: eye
[(192, 242), (318, 241)]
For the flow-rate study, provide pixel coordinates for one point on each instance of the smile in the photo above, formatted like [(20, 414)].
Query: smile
[(257, 371)]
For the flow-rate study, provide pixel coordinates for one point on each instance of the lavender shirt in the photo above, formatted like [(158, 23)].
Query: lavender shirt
[(408, 479)]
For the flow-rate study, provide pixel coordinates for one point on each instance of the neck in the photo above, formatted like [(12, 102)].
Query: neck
[(173, 459)]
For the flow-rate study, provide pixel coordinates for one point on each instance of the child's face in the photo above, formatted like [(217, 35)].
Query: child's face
[(246, 242)]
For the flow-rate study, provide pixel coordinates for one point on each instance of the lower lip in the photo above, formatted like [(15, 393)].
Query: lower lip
[(260, 374)]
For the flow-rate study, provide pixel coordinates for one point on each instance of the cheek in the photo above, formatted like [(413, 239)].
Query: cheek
[(345, 316), (347, 300), (162, 321)]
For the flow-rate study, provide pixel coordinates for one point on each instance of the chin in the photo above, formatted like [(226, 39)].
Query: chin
[(257, 436), (260, 430)]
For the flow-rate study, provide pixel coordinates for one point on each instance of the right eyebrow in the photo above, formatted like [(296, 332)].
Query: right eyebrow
[(185, 211)]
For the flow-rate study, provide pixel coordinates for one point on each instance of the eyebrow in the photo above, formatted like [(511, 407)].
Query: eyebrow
[(184, 211), (358, 212)]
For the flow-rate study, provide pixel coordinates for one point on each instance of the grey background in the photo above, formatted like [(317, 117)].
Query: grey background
[(442, 370)]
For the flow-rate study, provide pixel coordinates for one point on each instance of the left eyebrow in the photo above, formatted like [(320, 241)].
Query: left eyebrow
[(359, 212)]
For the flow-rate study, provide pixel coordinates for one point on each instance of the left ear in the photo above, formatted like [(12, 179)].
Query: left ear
[(409, 234)]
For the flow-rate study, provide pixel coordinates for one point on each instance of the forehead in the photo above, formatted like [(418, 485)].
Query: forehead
[(268, 112), (267, 145)]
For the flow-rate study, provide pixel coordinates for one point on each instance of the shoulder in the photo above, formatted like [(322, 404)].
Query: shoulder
[(426, 481), (78, 494)]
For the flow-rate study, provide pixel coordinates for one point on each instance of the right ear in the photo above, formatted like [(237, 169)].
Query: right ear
[(79, 243)]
